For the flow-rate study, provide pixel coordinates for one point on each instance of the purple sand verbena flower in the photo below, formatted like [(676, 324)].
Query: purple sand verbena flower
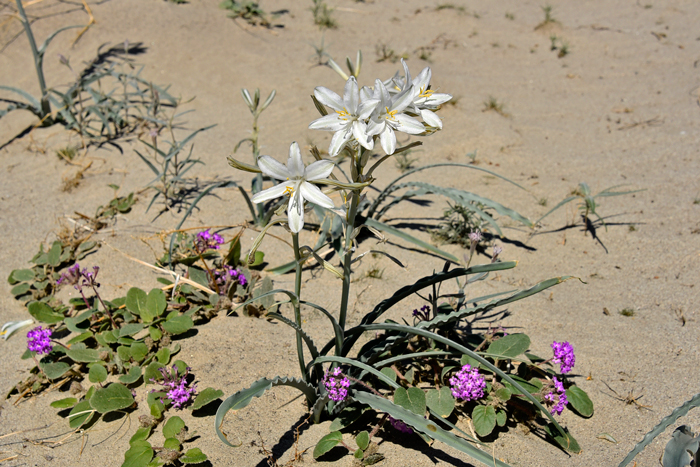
[(423, 314), (468, 384), (564, 355), (39, 340), (179, 393), (227, 277), (206, 240), (336, 384), (556, 398)]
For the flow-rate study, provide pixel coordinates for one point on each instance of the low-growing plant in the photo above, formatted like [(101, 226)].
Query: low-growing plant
[(126, 343), (323, 17), (249, 11), (459, 221), (404, 162), (493, 104), (548, 18), (415, 376), (588, 202)]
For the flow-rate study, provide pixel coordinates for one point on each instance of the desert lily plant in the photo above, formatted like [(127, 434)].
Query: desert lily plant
[(487, 376)]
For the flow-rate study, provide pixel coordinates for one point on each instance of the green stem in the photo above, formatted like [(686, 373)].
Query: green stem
[(347, 260), (38, 61), (297, 306)]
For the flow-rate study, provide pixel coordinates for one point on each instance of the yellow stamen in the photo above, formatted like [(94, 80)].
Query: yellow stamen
[(390, 114), (425, 93), (288, 191), (343, 114)]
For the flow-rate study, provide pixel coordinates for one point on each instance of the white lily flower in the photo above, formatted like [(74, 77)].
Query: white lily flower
[(389, 117), (348, 121), (295, 178), (425, 100), (11, 327)]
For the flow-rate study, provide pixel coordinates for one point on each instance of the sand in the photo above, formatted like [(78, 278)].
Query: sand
[(620, 108)]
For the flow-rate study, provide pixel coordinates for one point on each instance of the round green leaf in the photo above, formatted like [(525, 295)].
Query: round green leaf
[(173, 427), (155, 305), (362, 440), (114, 397), (81, 414), (83, 355), (40, 311), (55, 370), (138, 351), (327, 443), (178, 324), (66, 403), (193, 456), (139, 454), (98, 374), (172, 444), (484, 419), (20, 275), (511, 345), (412, 399), (153, 372), (133, 375), (163, 355), (54, 254), (20, 289), (141, 434), (136, 300), (130, 329), (504, 394), (359, 454), (441, 401), (580, 401), (501, 417), (205, 397)]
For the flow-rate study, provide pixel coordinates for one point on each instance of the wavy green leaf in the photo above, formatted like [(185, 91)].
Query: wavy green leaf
[(243, 397)]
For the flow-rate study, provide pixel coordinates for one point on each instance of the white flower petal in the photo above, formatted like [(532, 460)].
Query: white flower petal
[(383, 94), (407, 124), (376, 127), (272, 193), (312, 193), (431, 118), (329, 98), (422, 81), (273, 168), (295, 212), (366, 93), (294, 164), (403, 99), (408, 81), (331, 122), (388, 140), (340, 138), (366, 108), (437, 99), (319, 169), (351, 95), (359, 131)]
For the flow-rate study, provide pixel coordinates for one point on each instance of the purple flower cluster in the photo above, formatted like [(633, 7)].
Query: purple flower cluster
[(227, 277), (467, 384), (179, 394), (336, 384), (79, 278), (556, 398), (564, 355), (423, 314), (206, 240), (39, 340), (400, 426)]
